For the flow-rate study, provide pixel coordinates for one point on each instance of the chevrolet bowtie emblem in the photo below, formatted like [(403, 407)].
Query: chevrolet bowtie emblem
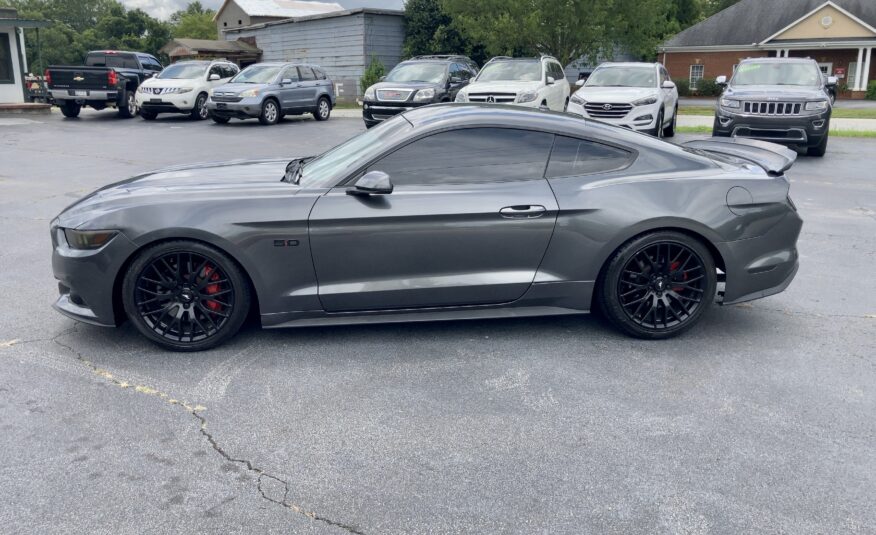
[(78, 78)]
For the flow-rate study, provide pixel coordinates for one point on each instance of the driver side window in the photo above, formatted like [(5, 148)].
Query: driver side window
[(469, 156)]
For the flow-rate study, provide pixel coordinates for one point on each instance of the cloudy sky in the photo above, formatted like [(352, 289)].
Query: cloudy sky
[(163, 8)]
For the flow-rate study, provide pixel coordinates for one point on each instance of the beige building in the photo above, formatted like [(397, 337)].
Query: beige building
[(241, 13)]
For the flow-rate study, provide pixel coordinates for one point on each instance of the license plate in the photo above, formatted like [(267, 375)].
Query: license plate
[(221, 106), (81, 93)]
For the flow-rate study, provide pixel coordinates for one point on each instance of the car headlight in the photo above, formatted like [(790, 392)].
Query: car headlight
[(461, 97), (181, 90), (249, 93), (817, 105), (730, 103), (577, 100), (526, 96), (424, 95), (645, 101), (88, 239), (370, 93)]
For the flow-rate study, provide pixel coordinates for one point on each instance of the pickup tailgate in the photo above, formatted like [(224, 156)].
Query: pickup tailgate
[(774, 159), (79, 77)]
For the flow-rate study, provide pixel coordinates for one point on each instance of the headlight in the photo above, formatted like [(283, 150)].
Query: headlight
[(88, 239), (182, 90), (817, 105), (249, 93), (577, 100), (729, 103), (461, 97), (645, 101), (424, 95), (370, 93), (526, 96)]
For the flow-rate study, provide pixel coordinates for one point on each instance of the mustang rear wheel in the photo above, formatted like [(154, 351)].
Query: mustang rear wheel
[(658, 285), (185, 296)]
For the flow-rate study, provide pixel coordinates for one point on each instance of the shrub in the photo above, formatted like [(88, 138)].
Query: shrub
[(683, 87), (871, 91), (708, 88), (373, 73)]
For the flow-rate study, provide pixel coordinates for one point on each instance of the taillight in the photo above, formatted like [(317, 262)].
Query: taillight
[(47, 76), (112, 78)]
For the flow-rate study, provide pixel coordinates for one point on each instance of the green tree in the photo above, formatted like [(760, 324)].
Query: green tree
[(373, 73), (194, 22), (429, 29), (710, 7)]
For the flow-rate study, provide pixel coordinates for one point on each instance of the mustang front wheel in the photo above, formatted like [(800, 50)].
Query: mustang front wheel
[(658, 285), (185, 296)]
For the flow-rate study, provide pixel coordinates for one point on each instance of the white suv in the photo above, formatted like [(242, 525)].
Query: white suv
[(533, 82), (639, 96), (183, 88)]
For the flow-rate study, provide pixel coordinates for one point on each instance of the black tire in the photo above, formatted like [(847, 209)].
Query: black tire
[(202, 288), (200, 111), (669, 131), (658, 129), (148, 115), (218, 119), (323, 109), (637, 274), (821, 149), (566, 105), (270, 112), (128, 109), (70, 109)]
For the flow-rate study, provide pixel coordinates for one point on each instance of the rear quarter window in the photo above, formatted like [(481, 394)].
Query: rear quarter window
[(573, 157)]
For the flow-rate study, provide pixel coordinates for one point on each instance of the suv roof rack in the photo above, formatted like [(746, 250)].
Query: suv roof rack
[(442, 56)]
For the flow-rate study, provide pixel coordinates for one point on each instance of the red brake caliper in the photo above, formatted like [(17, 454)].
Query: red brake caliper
[(672, 267), (210, 272)]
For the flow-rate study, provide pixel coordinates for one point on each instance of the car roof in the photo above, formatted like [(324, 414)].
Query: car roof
[(627, 64), (778, 60)]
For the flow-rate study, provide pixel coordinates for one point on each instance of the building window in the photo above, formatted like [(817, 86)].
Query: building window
[(7, 75), (696, 74)]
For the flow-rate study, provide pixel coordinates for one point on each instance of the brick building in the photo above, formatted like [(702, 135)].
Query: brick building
[(839, 34)]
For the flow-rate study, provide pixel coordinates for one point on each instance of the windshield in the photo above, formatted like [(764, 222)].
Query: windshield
[(257, 74), (352, 154), (517, 71), (623, 77), (775, 73), (184, 71), (417, 72)]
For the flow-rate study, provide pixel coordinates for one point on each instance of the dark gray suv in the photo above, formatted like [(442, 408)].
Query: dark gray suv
[(783, 100), (270, 91)]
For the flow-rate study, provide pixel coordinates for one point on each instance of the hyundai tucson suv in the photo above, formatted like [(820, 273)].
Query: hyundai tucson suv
[(416, 82), (638, 96), (532, 82), (183, 88), (783, 100)]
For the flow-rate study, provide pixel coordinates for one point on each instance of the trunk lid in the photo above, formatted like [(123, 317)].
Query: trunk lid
[(79, 77)]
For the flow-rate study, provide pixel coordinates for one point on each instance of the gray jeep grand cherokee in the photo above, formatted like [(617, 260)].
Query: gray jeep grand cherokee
[(783, 100)]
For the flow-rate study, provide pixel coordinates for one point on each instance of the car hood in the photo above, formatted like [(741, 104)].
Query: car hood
[(775, 92), (169, 184), (501, 87), (171, 82), (237, 88), (615, 94), (405, 85)]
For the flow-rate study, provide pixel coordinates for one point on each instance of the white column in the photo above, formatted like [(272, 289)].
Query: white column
[(865, 72), (859, 69)]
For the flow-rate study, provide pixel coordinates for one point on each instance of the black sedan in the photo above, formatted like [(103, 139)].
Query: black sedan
[(444, 212)]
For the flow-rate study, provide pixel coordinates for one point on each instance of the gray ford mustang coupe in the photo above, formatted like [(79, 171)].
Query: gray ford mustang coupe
[(445, 212)]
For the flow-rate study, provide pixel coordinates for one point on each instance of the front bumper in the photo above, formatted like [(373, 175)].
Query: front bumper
[(183, 103), (247, 108), (762, 266), (806, 130), (376, 111), (86, 279), (640, 118)]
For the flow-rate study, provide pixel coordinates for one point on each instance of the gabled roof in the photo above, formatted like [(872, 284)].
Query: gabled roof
[(750, 22), (281, 8), (209, 46)]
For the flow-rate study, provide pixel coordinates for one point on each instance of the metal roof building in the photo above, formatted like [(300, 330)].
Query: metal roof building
[(239, 13)]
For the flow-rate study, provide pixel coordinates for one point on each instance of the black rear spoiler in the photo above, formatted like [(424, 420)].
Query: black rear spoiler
[(775, 159)]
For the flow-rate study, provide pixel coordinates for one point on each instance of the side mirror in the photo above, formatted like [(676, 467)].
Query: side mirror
[(455, 80), (580, 83), (286, 81), (213, 77), (721, 80), (382, 78), (668, 84), (551, 80), (372, 183), (832, 80)]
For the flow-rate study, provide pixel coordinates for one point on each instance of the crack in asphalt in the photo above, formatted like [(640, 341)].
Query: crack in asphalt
[(196, 412)]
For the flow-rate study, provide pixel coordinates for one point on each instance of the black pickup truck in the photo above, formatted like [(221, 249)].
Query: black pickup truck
[(109, 79)]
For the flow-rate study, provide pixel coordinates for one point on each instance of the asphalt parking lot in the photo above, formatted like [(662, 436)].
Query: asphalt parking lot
[(762, 419)]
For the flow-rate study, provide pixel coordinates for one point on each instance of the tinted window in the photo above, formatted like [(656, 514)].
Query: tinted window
[(216, 69), (572, 157), (230, 70), (150, 64), (469, 155), (306, 74), (5, 59)]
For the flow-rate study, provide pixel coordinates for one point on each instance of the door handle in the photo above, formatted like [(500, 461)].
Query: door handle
[(523, 211)]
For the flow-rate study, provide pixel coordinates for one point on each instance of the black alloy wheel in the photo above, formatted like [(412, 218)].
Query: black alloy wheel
[(186, 296), (658, 285)]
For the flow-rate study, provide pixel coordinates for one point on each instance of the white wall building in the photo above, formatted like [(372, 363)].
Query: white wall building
[(13, 61)]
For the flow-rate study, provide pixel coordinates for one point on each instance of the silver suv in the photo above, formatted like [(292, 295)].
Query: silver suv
[(270, 91)]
